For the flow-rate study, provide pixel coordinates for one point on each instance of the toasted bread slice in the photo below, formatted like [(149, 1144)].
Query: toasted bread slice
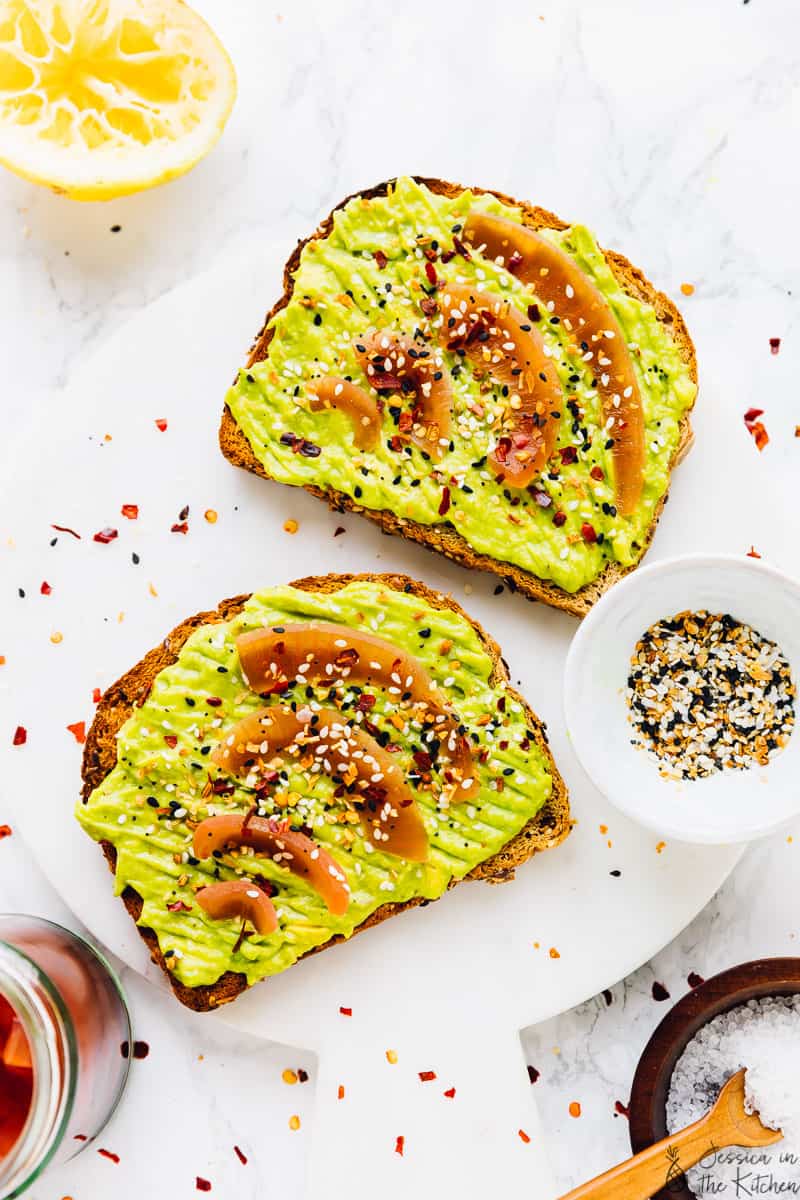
[(443, 537), (546, 830)]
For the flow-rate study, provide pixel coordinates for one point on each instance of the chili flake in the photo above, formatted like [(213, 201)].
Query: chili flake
[(211, 516), (104, 536), (427, 1076), (687, 289), (574, 1109), (346, 1012), (20, 736), (242, 1157), (708, 693), (290, 526), (5, 831), (774, 345), (131, 511), (45, 589), (294, 1122), (78, 731), (202, 1185), (450, 1093), (525, 1137), (340, 1092), (289, 1076), (399, 1145), (161, 424)]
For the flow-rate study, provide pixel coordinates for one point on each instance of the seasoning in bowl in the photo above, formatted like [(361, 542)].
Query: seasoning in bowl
[(708, 693), (764, 1037)]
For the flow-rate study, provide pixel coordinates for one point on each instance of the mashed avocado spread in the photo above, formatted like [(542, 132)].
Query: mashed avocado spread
[(163, 783), (369, 273)]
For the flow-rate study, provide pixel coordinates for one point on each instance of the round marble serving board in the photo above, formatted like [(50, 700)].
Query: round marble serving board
[(450, 985)]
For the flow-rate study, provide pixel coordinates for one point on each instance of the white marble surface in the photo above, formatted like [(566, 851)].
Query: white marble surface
[(671, 130)]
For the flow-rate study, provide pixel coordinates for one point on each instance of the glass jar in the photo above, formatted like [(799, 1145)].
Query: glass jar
[(70, 1029)]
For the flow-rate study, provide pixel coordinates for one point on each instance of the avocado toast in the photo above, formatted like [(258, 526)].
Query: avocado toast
[(217, 841), (472, 373)]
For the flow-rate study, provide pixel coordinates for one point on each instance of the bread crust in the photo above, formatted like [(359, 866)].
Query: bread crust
[(546, 830), (444, 538)]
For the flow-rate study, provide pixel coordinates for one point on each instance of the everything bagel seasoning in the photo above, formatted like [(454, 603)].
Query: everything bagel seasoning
[(708, 693)]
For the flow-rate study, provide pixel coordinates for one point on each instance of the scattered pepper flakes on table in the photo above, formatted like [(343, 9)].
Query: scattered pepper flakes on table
[(202, 1185), (294, 1122), (131, 511), (66, 529), (756, 427), (345, 1012), (427, 1076), (753, 553), (289, 1076), (523, 1136), (45, 589), (290, 526), (554, 953), (774, 345), (97, 695), (20, 736), (687, 289), (5, 831), (449, 1094), (106, 535), (340, 1092), (161, 424), (391, 1056), (660, 847), (575, 1109), (400, 1145), (78, 731), (109, 1154)]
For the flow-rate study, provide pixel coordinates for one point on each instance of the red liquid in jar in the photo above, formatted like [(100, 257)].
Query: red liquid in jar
[(16, 1078)]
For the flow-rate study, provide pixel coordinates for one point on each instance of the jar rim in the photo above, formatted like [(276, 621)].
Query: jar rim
[(54, 1052)]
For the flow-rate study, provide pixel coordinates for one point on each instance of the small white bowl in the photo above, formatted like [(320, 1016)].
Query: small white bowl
[(729, 806)]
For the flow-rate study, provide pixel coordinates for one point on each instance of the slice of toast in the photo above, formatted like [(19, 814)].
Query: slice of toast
[(546, 830), (443, 537)]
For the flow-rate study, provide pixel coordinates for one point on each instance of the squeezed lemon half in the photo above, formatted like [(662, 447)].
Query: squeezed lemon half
[(100, 98)]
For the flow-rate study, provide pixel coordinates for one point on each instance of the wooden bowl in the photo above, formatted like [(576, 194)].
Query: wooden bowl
[(648, 1103)]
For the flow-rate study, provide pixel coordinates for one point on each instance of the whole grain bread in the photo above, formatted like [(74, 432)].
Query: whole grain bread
[(443, 537), (546, 830)]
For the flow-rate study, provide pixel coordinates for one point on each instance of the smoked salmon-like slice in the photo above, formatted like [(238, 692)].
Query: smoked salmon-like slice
[(338, 656), (286, 847), (586, 315), (349, 398), (502, 343), (399, 363), (239, 898), (331, 745)]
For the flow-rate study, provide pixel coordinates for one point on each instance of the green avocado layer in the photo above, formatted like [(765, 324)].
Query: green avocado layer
[(341, 290), (145, 805)]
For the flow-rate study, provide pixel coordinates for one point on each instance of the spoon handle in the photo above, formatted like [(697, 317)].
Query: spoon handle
[(657, 1166)]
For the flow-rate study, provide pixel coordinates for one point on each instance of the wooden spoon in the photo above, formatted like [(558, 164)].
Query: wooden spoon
[(727, 1124)]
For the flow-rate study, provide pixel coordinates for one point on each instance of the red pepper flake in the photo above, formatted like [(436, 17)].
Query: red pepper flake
[(179, 906), (5, 831), (659, 991), (105, 535), (774, 345), (533, 1074), (340, 1092), (214, 701), (753, 553), (66, 529), (161, 424), (109, 1154), (203, 1185), (588, 532), (575, 1109), (444, 503), (171, 740), (752, 415), (569, 454), (45, 589), (430, 274), (399, 1145), (380, 259), (20, 736), (242, 1157), (620, 1109), (180, 527), (559, 519), (450, 1093), (694, 980), (97, 695), (597, 473), (78, 731), (427, 1076), (524, 1136), (346, 1012), (755, 427), (131, 511)]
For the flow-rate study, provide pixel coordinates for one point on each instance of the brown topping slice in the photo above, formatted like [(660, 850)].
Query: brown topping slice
[(286, 847), (585, 313), (503, 344), (362, 409), (339, 656), (398, 363), (239, 898), (331, 745)]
